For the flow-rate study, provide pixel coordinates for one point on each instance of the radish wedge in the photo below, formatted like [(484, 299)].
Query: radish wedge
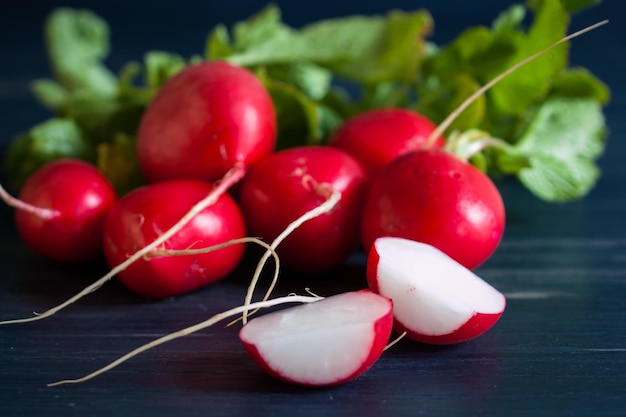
[(436, 300), (324, 343)]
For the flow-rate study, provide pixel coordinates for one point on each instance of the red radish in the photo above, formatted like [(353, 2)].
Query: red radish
[(324, 343), (206, 119), (61, 210), (291, 182), (433, 197), (144, 214), (377, 137), (436, 300)]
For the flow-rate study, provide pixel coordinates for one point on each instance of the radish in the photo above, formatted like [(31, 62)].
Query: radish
[(436, 300), (324, 342), (210, 121), (206, 119), (142, 215), (61, 210), (328, 342), (288, 183), (377, 137), (433, 197)]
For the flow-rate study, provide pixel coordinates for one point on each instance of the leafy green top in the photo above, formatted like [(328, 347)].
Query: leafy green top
[(546, 116)]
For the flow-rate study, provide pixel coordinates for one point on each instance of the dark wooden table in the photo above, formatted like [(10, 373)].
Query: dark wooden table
[(559, 349)]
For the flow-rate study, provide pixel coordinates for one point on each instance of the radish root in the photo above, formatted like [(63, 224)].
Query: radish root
[(189, 330), (465, 104), (325, 207), (42, 213), (229, 179), (396, 340)]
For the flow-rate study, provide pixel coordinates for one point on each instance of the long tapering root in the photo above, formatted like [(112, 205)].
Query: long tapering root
[(189, 330)]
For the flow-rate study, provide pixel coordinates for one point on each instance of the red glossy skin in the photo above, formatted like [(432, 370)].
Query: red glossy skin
[(281, 188), (478, 324), (382, 330), (145, 213), (204, 120), (81, 196), (435, 198), (377, 137)]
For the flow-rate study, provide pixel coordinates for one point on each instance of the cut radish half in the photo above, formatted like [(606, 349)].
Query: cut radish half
[(436, 300), (323, 343)]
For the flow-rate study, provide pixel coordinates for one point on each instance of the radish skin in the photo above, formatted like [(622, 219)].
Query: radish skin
[(206, 119), (287, 184), (436, 299), (377, 137), (60, 210), (139, 217), (433, 197), (322, 344)]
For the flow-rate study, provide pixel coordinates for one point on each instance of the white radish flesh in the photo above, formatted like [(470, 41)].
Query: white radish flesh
[(323, 343), (436, 299)]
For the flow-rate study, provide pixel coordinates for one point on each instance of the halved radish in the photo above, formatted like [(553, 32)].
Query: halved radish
[(436, 299), (323, 343)]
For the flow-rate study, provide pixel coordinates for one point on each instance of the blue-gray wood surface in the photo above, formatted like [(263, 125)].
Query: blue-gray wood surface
[(559, 349)]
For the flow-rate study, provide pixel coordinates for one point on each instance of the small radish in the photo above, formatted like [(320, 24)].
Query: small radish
[(144, 214), (436, 300), (324, 343), (377, 137), (291, 182), (206, 119), (433, 197), (61, 210)]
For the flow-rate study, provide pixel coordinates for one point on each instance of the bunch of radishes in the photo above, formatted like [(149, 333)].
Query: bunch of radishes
[(424, 216)]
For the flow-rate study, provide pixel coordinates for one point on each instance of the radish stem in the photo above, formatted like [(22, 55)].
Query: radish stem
[(465, 104)]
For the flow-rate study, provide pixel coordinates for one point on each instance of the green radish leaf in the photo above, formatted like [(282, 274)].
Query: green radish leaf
[(218, 44), (264, 25), (312, 80), (50, 93), (366, 49), (53, 139), (575, 6), (580, 83), (77, 43), (439, 103), (531, 83), (301, 120), (117, 160), (161, 66), (381, 48), (554, 179), (561, 145)]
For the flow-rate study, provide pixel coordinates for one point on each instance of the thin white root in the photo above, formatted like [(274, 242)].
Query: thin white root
[(325, 207), (187, 331), (465, 104), (394, 341), (199, 251), (229, 179), (42, 213)]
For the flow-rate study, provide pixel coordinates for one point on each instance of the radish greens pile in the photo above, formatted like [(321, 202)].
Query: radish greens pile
[(546, 118)]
